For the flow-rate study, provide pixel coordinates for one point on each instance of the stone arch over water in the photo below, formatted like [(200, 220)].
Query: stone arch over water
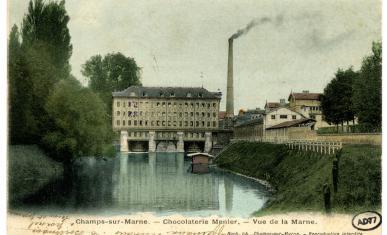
[(166, 146)]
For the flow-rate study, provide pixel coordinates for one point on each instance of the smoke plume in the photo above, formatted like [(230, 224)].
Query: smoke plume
[(255, 22)]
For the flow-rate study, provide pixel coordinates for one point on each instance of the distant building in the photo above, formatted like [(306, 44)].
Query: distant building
[(309, 105), (260, 129), (248, 115), (275, 105), (165, 118), (295, 129)]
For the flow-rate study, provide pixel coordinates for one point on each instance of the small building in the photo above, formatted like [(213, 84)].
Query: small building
[(296, 129), (280, 115), (200, 162)]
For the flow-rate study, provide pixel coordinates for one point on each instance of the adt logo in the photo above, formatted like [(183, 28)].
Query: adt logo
[(366, 221)]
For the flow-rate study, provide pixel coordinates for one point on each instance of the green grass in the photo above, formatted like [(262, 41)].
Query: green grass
[(29, 169), (298, 177)]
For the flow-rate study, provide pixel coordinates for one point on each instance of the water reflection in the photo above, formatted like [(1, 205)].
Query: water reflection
[(158, 183)]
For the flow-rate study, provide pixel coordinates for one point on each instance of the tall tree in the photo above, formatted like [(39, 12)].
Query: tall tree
[(367, 97), (46, 24), (336, 101), (37, 62), (113, 72)]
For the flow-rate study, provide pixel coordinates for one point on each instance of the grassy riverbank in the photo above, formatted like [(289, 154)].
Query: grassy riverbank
[(298, 177), (29, 169)]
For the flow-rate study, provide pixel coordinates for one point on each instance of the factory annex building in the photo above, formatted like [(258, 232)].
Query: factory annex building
[(174, 119)]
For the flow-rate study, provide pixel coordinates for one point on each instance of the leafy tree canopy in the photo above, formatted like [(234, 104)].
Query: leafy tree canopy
[(336, 101), (46, 24), (110, 73), (367, 89), (80, 118)]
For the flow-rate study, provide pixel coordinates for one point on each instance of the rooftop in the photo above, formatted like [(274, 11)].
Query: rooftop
[(305, 96), (291, 123), (168, 92)]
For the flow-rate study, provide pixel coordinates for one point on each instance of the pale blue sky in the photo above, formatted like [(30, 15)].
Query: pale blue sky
[(175, 41)]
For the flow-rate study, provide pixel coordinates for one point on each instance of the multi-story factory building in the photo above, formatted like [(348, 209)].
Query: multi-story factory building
[(165, 118)]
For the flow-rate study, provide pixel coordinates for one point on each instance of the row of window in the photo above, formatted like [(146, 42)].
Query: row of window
[(166, 134), (283, 116), (153, 114), (311, 108), (166, 123), (164, 104)]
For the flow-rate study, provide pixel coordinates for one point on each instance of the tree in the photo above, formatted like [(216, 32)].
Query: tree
[(336, 102), (113, 72), (46, 24), (80, 118), (38, 58), (367, 90)]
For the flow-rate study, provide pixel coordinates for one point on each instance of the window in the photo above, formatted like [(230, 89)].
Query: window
[(208, 124), (283, 116), (129, 122), (180, 123), (294, 117), (163, 123), (208, 115), (129, 104), (191, 123), (214, 114), (118, 113), (186, 123), (191, 114), (214, 124), (180, 114), (197, 123), (123, 122), (118, 122), (140, 123), (214, 105), (118, 103), (202, 123), (272, 116), (135, 122)]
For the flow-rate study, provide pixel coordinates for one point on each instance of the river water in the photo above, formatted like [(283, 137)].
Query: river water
[(159, 183)]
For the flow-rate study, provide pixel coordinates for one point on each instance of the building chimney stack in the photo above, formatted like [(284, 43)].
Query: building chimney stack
[(230, 85)]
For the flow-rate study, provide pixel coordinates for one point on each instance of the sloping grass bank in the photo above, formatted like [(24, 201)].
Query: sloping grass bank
[(298, 177), (29, 169)]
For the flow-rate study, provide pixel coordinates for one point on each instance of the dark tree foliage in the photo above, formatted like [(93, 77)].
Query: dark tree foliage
[(81, 121), (20, 123), (367, 90), (336, 102), (46, 24), (48, 107), (113, 72)]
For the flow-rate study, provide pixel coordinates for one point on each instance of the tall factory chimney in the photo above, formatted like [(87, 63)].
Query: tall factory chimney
[(230, 85)]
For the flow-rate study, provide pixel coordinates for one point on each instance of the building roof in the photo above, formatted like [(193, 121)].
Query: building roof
[(249, 122), (168, 92), (222, 114), (272, 105), (305, 96), (273, 110), (291, 123)]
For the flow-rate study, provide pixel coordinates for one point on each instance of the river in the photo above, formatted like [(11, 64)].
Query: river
[(158, 183)]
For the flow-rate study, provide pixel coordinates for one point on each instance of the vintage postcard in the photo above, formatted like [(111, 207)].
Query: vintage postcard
[(194, 117)]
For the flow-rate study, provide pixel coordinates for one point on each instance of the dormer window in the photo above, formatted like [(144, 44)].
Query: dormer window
[(189, 94), (144, 93), (161, 94), (172, 94), (200, 95)]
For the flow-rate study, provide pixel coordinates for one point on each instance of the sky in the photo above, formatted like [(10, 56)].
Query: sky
[(296, 45)]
